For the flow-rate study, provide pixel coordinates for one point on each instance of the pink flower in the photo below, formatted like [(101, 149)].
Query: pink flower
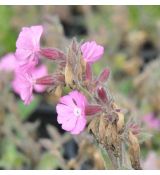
[(25, 82), (8, 63), (71, 112), (91, 51), (152, 121), (28, 45), (151, 162)]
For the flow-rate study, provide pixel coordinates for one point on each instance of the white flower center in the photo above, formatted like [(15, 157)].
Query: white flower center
[(77, 112)]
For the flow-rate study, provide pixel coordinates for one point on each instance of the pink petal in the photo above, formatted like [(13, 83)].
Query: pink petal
[(28, 67), (25, 39), (98, 54), (151, 162), (15, 85), (61, 118), (8, 63), (28, 44), (23, 56), (68, 116), (70, 123), (37, 32), (29, 38), (67, 100), (80, 125), (152, 121), (63, 109), (92, 51), (79, 99), (39, 88), (37, 73), (22, 84), (18, 83), (26, 94)]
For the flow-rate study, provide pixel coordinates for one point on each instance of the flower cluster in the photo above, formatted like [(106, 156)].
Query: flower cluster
[(31, 75), (24, 63), (87, 97)]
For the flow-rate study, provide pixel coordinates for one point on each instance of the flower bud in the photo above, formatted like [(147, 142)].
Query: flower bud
[(102, 94), (46, 80), (104, 75), (53, 54), (134, 128), (92, 109)]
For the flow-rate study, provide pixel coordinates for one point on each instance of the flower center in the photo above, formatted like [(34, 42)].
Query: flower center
[(77, 112)]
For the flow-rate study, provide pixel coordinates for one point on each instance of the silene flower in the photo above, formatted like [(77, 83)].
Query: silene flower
[(151, 121), (71, 112), (28, 45), (151, 161), (25, 82), (91, 51)]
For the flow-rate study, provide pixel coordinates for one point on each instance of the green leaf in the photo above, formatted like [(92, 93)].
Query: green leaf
[(8, 34)]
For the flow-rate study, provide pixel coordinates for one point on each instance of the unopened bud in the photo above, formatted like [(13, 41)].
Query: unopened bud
[(52, 53), (46, 80), (92, 109), (104, 75), (134, 128), (102, 94)]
